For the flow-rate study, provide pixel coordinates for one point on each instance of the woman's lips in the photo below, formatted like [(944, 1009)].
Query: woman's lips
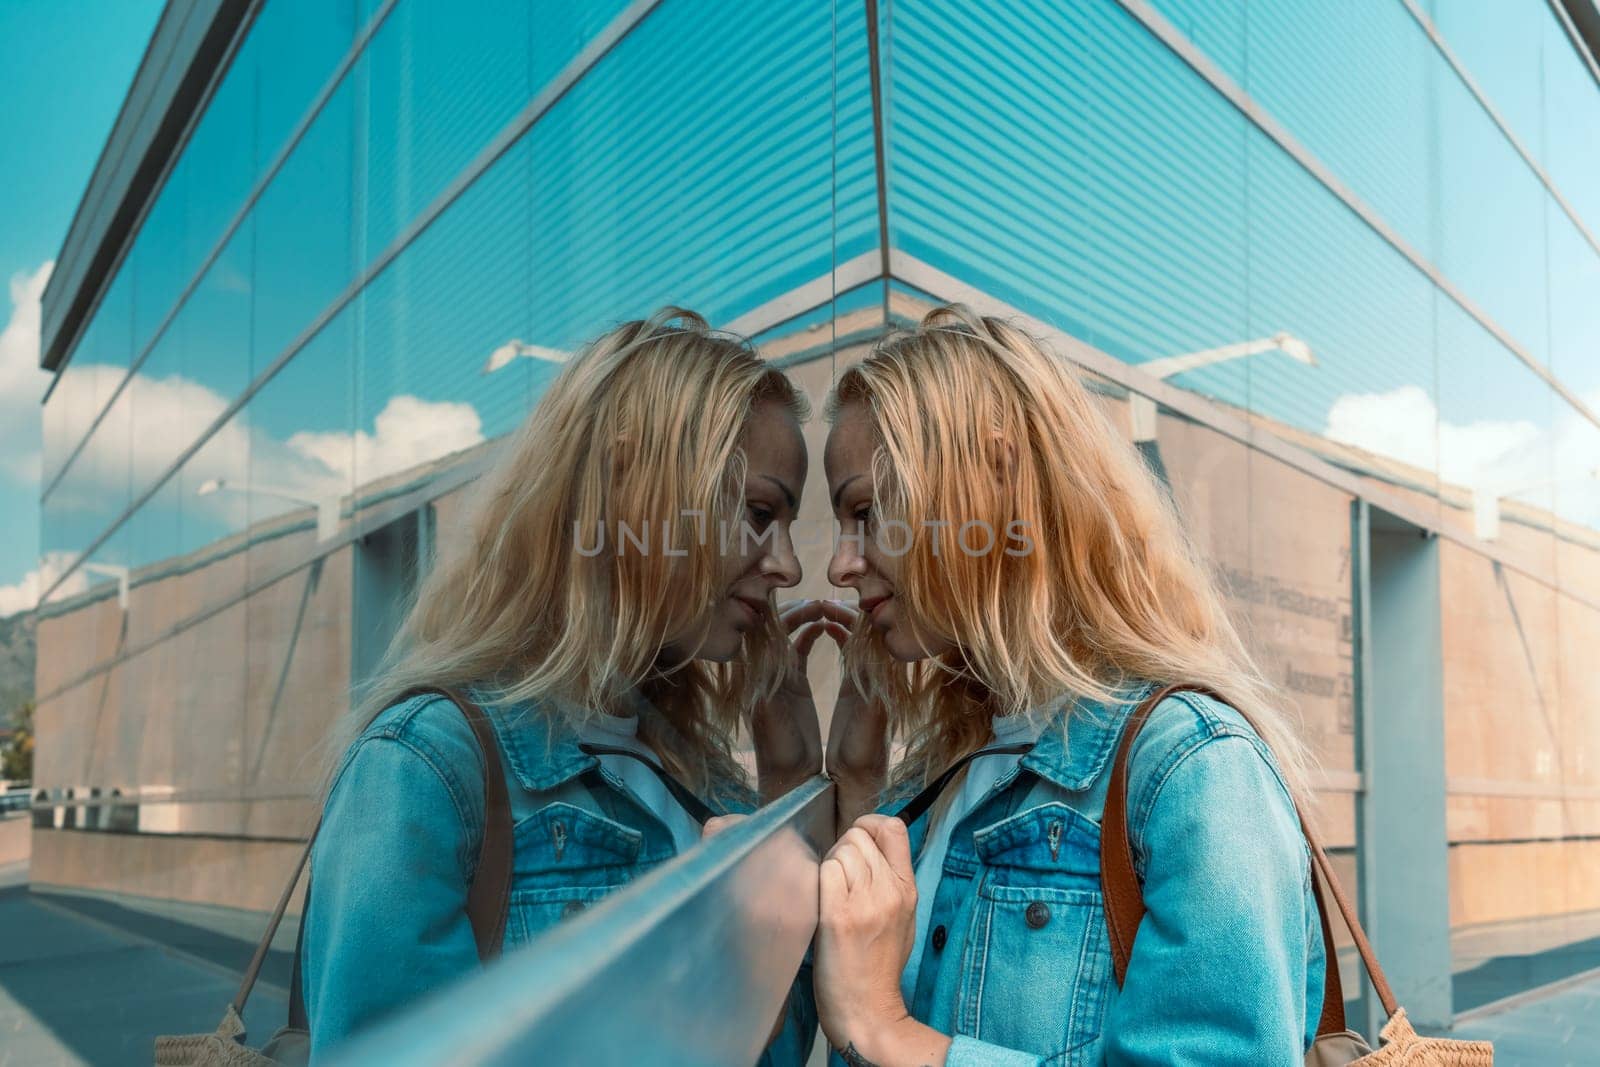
[(871, 605), (751, 608)]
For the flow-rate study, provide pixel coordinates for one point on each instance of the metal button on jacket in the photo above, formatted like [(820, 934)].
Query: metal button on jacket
[(939, 938), (1037, 915), (572, 907)]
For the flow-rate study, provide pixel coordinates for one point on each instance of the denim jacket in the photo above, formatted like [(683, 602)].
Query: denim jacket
[(1226, 966), (386, 920)]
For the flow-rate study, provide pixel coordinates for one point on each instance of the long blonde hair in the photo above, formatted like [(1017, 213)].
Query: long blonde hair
[(640, 432), (977, 422)]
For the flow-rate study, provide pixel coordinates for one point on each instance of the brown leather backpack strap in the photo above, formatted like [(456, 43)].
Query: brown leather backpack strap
[(1119, 882), (489, 895), (1124, 898), (253, 971), (1369, 958)]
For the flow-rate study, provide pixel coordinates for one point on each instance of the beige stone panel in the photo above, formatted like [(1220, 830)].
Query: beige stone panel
[(71, 644), (1578, 564), (453, 514), (238, 874), (1497, 883), (1502, 718), (1333, 816), (1578, 686), (1299, 590), (297, 685), (16, 839)]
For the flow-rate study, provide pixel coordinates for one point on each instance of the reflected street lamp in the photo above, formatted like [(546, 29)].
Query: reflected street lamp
[(327, 506), (1486, 501), (511, 351), (113, 570), (1143, 410)]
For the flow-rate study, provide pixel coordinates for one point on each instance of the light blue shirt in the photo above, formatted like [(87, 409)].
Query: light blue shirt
[(622, 731)]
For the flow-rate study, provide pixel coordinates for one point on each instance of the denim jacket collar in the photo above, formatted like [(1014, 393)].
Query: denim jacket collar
[(540, 749), (1075, 758)]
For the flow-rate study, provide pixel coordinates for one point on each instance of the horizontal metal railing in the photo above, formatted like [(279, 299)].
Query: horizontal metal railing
[(689, 965)]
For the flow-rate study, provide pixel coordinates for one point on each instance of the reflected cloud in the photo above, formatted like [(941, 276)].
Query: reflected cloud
[(1511, 457), (408, 432), (22, 383), (24, 595)]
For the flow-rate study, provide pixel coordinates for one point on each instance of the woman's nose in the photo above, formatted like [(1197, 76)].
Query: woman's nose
[(847, 566)]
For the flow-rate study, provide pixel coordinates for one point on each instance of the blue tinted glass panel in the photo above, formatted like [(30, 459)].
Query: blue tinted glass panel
[(303, 256), (301, 43), (1321, 275), (438, 81), (1572, 121), (1350, 82), (1066, 161), (1499, 44), (1491, 213), (432, 320)]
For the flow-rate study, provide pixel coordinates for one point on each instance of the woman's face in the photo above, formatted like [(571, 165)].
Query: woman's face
[(862, 560), (760, 557)]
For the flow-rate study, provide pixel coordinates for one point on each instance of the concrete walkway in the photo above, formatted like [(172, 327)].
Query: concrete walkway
[(85, 980), (1552, 1026), (91, 980)]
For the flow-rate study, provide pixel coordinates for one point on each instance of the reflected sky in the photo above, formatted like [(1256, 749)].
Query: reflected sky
[(720, 156)]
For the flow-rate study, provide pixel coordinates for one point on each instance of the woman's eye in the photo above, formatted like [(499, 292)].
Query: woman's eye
[(863, 514), (760, 517)]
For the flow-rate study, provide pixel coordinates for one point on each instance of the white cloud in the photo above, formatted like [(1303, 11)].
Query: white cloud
[(1548, 466), (24, 595), (22, 383), (1404, 424), (407, 432)]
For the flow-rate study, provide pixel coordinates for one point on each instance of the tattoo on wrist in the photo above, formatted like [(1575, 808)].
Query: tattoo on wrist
[(852, 1058)]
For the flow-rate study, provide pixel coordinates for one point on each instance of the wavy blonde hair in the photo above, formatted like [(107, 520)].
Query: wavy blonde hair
[(976, 421), (641, 429)]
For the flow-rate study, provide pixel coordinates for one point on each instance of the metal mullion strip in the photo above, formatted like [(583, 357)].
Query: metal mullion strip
[(1575, 39), (1483, 101), (1207, 413), (296, 135), (1164, 31), (553, 92)]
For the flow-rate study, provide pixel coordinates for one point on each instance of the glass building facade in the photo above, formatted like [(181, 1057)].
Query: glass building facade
[(1336, 267)]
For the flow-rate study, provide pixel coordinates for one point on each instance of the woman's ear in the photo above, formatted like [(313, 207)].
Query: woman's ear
[(1002, 459)]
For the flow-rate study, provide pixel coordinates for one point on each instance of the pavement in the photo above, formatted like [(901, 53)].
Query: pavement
[(88, 979)]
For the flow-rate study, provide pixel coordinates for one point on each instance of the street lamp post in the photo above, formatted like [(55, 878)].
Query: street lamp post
[(1486, 501), (327, 506), (1142, 410), (513, 350), (113, 570)]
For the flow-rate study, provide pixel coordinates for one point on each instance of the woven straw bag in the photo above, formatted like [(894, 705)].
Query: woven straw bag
[(487, 899), (1335, 1044)]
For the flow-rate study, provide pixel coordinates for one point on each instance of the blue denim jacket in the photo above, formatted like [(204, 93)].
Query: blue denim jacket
[(386, 919), (1227, 964)]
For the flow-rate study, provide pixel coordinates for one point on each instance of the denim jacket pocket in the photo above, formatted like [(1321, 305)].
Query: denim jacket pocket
[(560, 839), (567, 858), (1040, 957)]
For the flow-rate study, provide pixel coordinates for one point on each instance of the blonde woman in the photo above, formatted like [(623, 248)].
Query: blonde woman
[(615, 596), (1024, 584)]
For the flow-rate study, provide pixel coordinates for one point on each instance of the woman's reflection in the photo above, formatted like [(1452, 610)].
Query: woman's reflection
[(613, 614)]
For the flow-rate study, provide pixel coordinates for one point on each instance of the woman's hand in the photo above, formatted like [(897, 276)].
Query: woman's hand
[(858, 745), (784, 729), (867, 925)]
